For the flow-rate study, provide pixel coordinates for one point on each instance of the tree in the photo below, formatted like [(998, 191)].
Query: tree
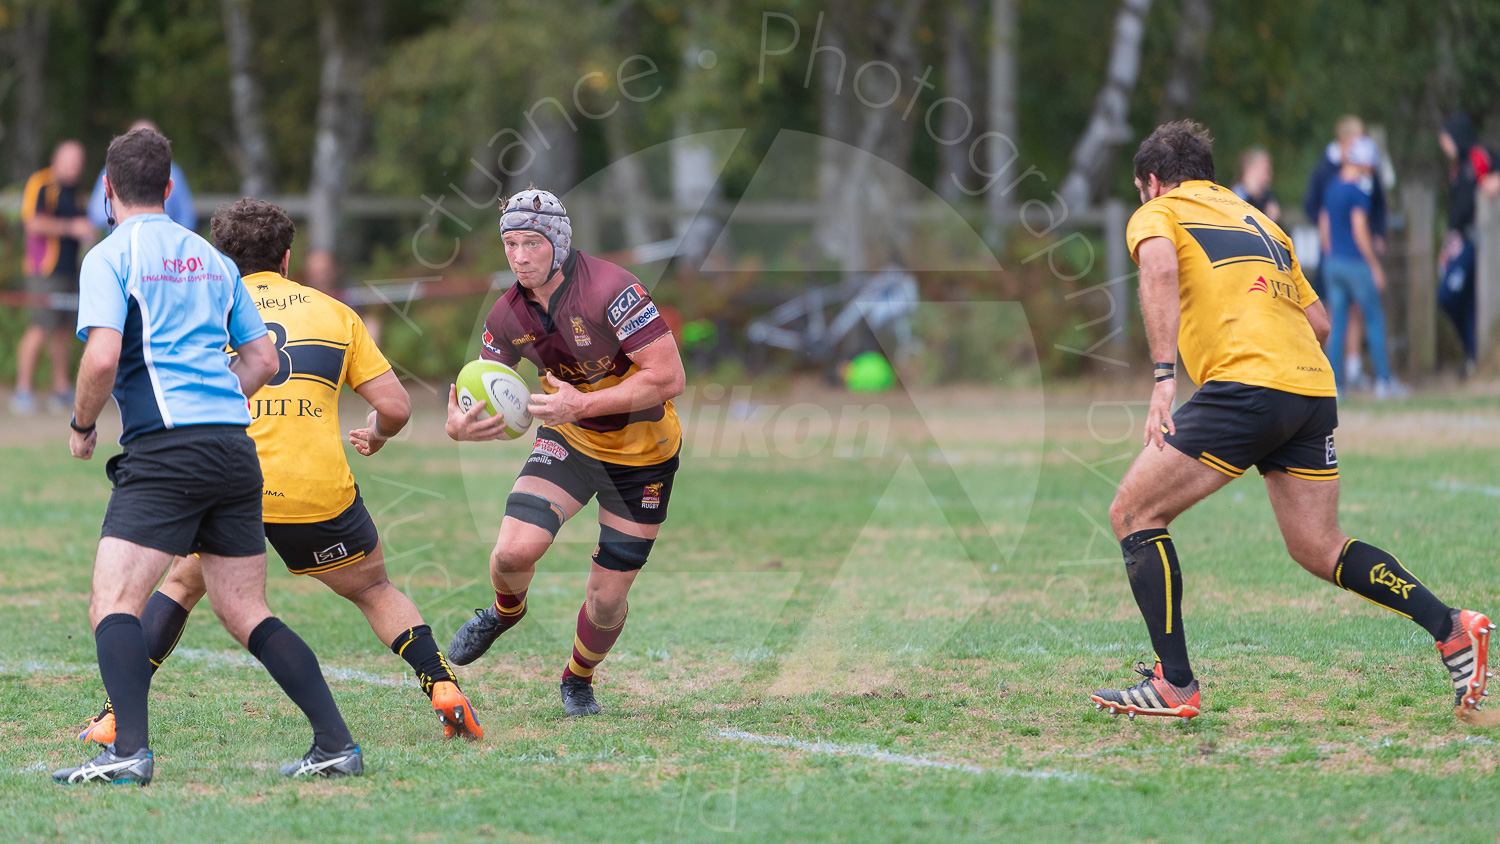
[(960, 19), (1004, 118), (1187, 61), (28, 44), (1108, 127), (867, 115), (252, 150), (347, 35)]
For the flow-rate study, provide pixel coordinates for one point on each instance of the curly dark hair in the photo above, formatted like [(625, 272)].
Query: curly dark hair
[(254, 234), (138, 166), (1176, 152)]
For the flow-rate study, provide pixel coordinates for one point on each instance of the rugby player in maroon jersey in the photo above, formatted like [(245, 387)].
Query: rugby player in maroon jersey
[(610, 370)]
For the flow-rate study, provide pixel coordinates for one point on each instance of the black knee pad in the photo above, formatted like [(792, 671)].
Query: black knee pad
[(534, 510), (619, 551)]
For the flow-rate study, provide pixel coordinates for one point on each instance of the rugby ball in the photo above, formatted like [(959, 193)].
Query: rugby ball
[(500, 389)]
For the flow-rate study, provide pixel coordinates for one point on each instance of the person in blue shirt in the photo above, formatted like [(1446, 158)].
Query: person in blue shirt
[(1349, 129), (1351, 270), (179, 206), (158, 306)]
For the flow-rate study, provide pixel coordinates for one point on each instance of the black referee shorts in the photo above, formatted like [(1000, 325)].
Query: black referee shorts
[(188, 490)]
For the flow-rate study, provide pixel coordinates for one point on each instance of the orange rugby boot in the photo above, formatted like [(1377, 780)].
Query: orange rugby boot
[(1153, 696), (1465, 654), (101, 727), (455, 712)]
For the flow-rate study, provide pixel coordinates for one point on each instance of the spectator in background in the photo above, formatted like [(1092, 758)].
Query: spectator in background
[(1254, 184), (1351, 270), (321, 271), (57, 234), (179, 204), (1471, 167), (1348, 129)]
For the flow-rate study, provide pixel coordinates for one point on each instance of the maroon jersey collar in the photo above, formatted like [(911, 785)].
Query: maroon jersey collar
[(535, 318)]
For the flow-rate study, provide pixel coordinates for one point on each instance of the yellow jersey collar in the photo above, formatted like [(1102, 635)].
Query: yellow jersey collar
[(266, 278)]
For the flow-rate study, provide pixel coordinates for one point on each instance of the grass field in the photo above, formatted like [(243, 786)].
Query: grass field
[(890, 644)]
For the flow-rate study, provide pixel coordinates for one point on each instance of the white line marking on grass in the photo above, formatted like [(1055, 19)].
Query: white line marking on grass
[(867, 751), (1481, 489), (231, 659), (244, 660), (33, 666), (354, 675)]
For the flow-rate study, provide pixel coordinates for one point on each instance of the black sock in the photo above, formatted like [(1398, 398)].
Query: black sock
[(1156, 581), (295, 668), (163, 622), (1380, 579), (420, 651), (126, 671)]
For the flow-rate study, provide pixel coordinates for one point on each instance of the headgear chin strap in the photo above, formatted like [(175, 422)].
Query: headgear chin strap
[(539, 211)]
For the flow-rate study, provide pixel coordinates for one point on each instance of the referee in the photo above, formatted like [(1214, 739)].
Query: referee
[(157, 307)]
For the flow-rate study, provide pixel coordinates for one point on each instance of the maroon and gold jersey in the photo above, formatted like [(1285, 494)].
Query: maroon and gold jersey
[(598, 316)]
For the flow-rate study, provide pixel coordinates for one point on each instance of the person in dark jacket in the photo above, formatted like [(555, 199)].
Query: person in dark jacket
[(1254, 183), (1471, 168)]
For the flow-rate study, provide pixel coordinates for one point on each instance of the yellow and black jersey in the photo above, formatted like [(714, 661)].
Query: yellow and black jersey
[(1242, 291), (48, 254), (322, 344)]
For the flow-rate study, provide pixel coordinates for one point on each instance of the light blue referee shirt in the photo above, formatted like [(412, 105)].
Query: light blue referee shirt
[(177, 304)]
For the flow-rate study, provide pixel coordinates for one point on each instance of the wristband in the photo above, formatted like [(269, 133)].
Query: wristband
[(1166, 376), (73, 423), (1172, 367)]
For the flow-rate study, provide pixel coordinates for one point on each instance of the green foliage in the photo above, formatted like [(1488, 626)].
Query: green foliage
[(451, 75)]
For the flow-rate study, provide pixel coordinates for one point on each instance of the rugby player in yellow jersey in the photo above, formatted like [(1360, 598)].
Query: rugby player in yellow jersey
[(1219, 283), (608, 430), (314, 516)]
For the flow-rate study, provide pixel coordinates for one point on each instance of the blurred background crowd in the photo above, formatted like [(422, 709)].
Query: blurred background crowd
[(773, 169)]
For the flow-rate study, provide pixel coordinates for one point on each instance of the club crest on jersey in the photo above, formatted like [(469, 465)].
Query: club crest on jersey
[(580, 336), (651, 497), (330, 554), (551, 448), (622, 305), (489, 342), (647, 315)]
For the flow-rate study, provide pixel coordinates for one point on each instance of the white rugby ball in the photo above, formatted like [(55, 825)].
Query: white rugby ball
[(500, 389)]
